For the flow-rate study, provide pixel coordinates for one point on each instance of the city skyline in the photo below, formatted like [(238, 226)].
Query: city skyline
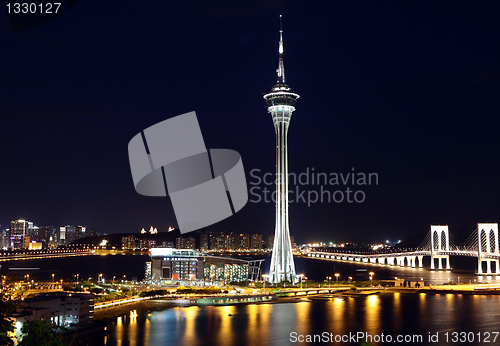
[(400, 91)]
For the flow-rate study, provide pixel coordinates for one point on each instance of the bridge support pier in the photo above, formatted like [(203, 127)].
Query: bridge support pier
[(487, 234), (420, 261), (440, 235), (413, 261), (488, 265), (402, 261), (440, 263)]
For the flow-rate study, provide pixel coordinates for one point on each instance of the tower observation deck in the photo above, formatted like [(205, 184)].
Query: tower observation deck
[(281, 104)]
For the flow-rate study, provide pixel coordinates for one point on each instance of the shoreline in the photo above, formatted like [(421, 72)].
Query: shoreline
[(110, 314)]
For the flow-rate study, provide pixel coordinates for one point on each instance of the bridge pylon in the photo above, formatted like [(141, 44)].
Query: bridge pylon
[(490, 246), (440, 242)]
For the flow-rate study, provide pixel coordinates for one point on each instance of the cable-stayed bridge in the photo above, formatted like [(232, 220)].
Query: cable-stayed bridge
[(439, 244)]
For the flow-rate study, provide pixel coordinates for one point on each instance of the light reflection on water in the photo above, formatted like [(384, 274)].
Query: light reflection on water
[(372, 314), (271, 324)]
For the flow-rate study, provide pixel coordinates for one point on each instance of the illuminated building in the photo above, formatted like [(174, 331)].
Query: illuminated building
[(185, 243), (129, 242), (170, 266), (18, 233)]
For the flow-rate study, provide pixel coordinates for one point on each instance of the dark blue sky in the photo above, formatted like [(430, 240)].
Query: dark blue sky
[(408, 90)]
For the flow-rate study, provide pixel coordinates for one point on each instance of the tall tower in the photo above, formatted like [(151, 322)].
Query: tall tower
[(281, 104)]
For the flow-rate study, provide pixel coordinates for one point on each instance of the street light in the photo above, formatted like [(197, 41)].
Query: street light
[(371, 278), (265, 277), (301, 275), (329, 278), (53, 278), (337, 276)]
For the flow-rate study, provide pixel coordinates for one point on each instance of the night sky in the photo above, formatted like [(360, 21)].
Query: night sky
[(408, 90)]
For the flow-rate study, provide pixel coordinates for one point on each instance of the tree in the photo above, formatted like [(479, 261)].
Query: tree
[(39, 334), (6, 324)]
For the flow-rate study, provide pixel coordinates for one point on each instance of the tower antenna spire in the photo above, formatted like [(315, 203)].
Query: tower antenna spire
[(281, 34), (281, 66)]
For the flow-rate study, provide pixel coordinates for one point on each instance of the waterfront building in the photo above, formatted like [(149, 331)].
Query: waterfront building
[(281, 104), (24, 315), (59, 309), (183, 266)]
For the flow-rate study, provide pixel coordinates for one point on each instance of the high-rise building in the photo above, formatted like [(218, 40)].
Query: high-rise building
[(18, 233), (185, 243), (204, 241), (5, 239), (270, 241), (145, 243), (62, 236), (129, 242), (281, 104), (69, 233), (256, 242), (216, 241), (242, 242), (229, 241)]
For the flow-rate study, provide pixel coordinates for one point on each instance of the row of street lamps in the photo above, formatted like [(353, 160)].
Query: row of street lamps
[(329, 278)]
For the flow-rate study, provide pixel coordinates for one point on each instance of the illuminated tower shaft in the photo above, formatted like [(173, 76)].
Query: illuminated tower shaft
[(281, 104)]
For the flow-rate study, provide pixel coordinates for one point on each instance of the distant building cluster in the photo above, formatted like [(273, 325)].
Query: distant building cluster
[(133, 242), (204, 241), (24, 235), (229, 241)]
